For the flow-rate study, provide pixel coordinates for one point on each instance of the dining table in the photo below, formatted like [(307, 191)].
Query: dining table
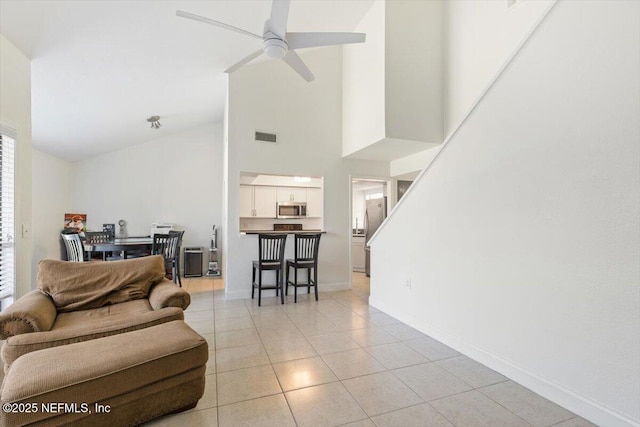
[(121, 244)]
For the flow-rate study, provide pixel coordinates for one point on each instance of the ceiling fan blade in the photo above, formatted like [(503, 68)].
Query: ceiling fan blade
[(279, 16), (216, 23), (296, 63), (244, 61), (304, 40)]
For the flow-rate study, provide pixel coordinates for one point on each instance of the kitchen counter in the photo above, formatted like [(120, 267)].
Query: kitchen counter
[(248, 232)]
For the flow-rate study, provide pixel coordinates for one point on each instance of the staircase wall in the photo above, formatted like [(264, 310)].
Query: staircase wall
[(520, 243)]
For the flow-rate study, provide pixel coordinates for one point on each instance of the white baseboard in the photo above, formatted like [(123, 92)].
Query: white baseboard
[(240, 294), (572, 401), (335, 286)]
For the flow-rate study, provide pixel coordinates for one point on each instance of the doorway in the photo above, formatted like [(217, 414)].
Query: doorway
[(370, 204)]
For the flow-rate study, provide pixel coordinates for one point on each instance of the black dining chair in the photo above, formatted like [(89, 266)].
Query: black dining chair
[(306, 257), (270, 257), (179, 246), (167, 246), (95, 237), (75, 248)]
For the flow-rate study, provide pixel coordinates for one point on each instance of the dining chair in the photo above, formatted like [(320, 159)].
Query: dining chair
[(74, 246), (167, 246), (179, 234), (270, 257), (306, 257), (95, 237)]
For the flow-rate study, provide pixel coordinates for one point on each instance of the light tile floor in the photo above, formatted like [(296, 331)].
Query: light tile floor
[(339, 361)]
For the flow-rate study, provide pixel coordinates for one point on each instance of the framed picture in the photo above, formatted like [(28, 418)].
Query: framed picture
[(76, 221), (110, 228)]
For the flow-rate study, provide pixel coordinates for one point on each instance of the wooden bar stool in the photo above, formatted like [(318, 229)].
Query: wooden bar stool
[(270, 257), (306, 256)]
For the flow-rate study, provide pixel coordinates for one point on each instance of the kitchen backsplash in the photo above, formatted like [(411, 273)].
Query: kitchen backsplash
[(252, 224)]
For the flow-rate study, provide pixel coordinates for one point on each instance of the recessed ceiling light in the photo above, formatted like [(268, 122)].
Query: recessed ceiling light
[(155, 122)]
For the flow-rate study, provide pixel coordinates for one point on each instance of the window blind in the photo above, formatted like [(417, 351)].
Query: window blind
[(7, 217)]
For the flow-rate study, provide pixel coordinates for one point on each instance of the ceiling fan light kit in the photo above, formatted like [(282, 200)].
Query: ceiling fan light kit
[(275, 48), (278, 44)]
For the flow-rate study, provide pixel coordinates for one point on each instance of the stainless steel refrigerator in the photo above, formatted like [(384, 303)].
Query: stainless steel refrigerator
[(375, 213)]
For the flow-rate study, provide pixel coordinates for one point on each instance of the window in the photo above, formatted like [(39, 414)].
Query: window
[(372, 196), (7, 203)]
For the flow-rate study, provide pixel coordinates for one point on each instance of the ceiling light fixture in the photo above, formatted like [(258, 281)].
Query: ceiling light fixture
[(155, 122)]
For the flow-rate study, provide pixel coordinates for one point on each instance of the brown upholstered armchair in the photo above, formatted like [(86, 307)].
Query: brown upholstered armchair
[(83, 301)]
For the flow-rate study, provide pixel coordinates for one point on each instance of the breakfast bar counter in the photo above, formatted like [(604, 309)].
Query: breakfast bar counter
[(247, 232)]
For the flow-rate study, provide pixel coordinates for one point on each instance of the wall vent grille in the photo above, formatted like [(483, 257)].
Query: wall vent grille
[(266, 137)]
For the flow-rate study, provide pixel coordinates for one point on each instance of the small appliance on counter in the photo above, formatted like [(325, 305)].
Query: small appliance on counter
[(160, 228)]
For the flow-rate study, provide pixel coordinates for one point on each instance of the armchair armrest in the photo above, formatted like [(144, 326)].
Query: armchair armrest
[(34, 312), (166, 294)]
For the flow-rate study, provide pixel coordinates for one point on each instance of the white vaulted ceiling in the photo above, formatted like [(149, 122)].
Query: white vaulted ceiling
[(100, 68)]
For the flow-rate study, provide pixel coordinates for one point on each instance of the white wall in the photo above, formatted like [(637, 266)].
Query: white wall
[(528, 259), (413, 70), (414, 162), (175, 179), (479, 36), (52, 181), (392, 84), (308, 119), (15, 113), (363, 86)]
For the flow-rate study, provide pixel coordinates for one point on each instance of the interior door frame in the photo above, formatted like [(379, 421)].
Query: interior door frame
[(391, 201)]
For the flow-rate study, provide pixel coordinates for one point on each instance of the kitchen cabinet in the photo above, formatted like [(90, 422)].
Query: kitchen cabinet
[(357, 253), (291, 194), (246, 201), (257, 201), (314, 202), (264, 202)]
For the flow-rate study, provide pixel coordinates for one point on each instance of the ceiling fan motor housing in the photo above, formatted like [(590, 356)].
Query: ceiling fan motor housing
[(274, 46)]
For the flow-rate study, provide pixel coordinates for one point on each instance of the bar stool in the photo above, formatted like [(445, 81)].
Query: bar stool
[(270, 257), (306, 256)]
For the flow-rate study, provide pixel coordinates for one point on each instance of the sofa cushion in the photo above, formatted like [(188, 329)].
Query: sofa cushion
[(110, 371), (87, 325), (79, 286)]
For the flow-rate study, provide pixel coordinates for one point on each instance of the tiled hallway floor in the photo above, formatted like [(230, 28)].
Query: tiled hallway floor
[(339, 361)]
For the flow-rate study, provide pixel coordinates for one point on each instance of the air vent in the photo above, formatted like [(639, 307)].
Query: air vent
[(266, 137)]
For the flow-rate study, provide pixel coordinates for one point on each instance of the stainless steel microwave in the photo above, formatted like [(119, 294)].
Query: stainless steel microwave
[(291, 210)]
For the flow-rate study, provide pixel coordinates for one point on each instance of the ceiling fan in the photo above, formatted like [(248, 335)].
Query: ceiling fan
[(278, 44)]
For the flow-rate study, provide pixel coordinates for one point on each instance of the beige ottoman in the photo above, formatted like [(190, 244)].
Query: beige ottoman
[(121, 380)]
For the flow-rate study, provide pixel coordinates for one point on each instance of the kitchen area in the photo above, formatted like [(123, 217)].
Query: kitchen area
[(276, 203), (369, 209)]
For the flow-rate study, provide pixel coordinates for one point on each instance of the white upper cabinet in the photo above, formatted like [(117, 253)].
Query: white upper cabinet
[(257, 201), (291, 194), (246, 201), (264, 202), (314, 202)]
